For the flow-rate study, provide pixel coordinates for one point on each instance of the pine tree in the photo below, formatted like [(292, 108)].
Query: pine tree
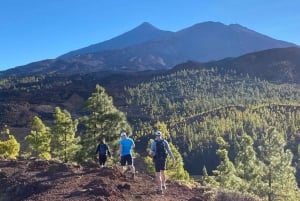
[(163, 128), (176, 171), (149, 159), (64, 144), (225, 174), (39, 139), (104, 119), (279, 178), (247, 166), (208, 180), (9, 146)]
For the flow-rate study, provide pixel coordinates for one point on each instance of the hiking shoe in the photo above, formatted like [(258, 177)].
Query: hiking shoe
[(127, 170), (159, 191)]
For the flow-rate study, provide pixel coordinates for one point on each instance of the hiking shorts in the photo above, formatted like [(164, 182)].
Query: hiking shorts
[(160, 164), (102, 159), (126, 159)]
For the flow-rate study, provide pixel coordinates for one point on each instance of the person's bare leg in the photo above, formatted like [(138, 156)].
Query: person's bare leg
[(158, 178), (123, 168), (163, 179), (132, 169)]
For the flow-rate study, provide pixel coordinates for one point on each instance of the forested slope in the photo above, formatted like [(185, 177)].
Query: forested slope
[(200, 105)]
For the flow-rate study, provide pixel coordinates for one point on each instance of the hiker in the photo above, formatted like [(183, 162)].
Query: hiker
[(126, 146), (159, 150), (103, 151)]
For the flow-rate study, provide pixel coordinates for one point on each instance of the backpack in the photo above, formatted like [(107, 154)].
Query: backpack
[(161, 151), (102, 149)]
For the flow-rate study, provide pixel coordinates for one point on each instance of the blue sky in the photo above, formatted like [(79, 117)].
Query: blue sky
[(33, 30)]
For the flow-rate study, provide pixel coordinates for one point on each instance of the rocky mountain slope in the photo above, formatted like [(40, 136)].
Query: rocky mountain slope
[(50, 180), (34, 180)]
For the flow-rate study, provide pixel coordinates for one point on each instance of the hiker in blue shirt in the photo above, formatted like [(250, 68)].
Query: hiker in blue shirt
[(159, 150), (103, 151), (126, 146)]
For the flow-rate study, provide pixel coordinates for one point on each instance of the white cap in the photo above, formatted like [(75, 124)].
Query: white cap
[(123, 134), (157, 132)]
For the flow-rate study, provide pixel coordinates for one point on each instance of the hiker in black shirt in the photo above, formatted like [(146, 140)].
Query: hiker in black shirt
[(103, 151), (159, 150)]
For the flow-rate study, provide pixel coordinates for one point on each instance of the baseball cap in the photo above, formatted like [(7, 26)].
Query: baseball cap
[(157, 133), (123, 134)]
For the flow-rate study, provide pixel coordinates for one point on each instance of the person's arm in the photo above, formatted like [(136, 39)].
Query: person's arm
[(97, 150), (108, 152), (132, 145), (120, 149), (152, 149), (169, 150)]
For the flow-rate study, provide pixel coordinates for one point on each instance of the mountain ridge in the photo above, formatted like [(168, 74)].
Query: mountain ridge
[(280, 65), (202, 42), (129, 38)]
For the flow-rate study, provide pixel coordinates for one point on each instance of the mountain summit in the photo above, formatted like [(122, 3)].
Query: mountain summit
[(148, 48), (142, 33), (213, 41)]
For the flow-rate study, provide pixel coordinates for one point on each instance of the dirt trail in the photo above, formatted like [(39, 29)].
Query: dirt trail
[(53, 181)]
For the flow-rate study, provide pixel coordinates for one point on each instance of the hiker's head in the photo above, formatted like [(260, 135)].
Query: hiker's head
[(157, 133), (123, 135), (102, 140)]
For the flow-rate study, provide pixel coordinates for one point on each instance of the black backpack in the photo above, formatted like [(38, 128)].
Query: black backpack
[(161, 151), (102, 149)]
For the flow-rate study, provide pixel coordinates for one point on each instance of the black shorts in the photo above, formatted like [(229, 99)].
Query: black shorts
[(160, 164), (126, 159), (102, 159)]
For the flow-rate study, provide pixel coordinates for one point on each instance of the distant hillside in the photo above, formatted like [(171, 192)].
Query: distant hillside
[(147, 48), (276, 65)]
